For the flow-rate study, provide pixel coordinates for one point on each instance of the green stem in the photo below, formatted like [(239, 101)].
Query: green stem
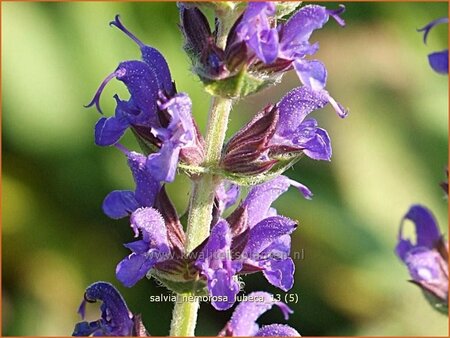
[(202, 196), (184, 318)]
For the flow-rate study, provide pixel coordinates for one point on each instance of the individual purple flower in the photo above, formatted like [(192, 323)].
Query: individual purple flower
[(438, 60), (179, 133), (262, 242), (243, 320), (278, 131), (427, 258), (154, 111), (294, 132), (216, 266), (144, 80), (151, 249), (121, 203), (116, 319)]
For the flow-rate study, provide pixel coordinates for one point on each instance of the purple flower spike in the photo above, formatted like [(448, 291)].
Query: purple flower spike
[(116, 319), (121, 203), (179, 133), (438, 60), (151, 249), (243, 321), (215, 265), (427, 258)]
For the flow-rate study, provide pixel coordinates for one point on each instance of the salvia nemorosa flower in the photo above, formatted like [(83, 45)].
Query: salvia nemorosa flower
[(162, 240), (121, 203), (243, 320), (146, 252), (155, 112), (151, 214), (438, 60), (259, 46), (116, 319), (427, 258), (278, 132), (252, 239)]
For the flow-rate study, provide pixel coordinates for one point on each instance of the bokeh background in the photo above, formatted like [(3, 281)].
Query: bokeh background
[(389, 153)]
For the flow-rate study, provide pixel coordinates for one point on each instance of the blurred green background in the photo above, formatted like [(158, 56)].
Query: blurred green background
[(389, 153)]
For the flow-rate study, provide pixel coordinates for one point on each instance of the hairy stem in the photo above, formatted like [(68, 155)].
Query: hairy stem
[(202, 197), (184, 316)]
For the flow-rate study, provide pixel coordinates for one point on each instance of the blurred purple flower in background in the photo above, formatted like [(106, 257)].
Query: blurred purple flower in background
[(438, 60), (427, 258)]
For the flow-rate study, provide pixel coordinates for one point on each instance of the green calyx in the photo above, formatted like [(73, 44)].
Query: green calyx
[(240, 85), (179, 284), (250, 180)]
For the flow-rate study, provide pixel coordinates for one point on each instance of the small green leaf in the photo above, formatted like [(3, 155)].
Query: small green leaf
[(276, 170)]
